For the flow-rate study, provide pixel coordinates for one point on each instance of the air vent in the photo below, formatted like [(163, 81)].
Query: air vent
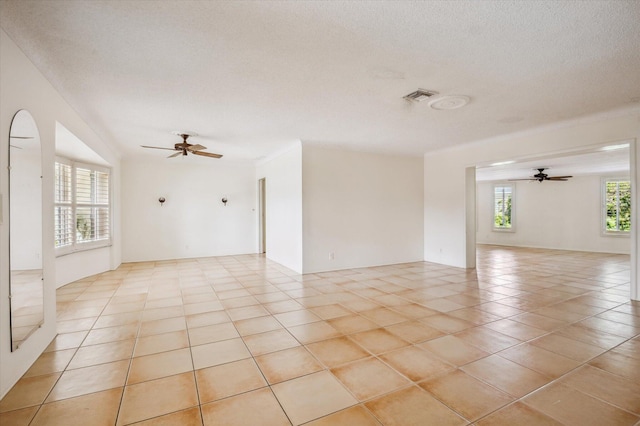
[(420, 95)]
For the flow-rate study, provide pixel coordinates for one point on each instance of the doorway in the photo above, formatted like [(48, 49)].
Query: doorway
[(262, 216)]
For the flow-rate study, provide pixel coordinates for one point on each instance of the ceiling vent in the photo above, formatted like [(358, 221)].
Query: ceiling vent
[(420, 95)]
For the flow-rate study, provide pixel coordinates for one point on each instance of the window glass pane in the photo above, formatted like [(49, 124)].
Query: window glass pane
[(85, 186), (102, 223), (502, 206), (618, 206), (102, 188), (85, 228), (62, 183), (63, 226)]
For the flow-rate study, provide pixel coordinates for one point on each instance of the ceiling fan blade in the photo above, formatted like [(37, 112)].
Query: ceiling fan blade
[(560, 177), (557, 178), (157, 147), (175, 155), (21, 137), (196, 147), (511, 180), (207, 154)]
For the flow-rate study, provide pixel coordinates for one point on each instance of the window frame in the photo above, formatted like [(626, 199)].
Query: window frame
[(603, 207), (75, 245), (495, 228)]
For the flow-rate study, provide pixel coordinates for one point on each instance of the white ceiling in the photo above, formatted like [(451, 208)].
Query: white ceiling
[(251, 77)]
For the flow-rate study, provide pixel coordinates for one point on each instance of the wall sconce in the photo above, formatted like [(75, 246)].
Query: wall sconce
[(161, 200), (224, 201)]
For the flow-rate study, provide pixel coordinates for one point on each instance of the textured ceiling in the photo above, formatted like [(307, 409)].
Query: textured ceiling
[(251, 77)]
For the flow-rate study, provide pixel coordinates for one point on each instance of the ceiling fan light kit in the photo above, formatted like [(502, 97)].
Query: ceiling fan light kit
[(184, 148), (542, 176)]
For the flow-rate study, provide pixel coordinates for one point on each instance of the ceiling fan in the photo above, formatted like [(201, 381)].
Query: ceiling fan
[(542, 176), (185, 147)]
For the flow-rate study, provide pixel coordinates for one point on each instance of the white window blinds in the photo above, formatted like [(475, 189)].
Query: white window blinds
[(82, 206)]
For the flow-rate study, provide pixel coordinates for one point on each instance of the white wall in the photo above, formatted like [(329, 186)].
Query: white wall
[(283, 179), (26, 206), (193, 222), (556, 215), (22, 86), (444, 205), (366, 209)]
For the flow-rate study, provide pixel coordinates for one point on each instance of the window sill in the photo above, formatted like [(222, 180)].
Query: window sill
[(511, 230), (66, 251), (616, 234)]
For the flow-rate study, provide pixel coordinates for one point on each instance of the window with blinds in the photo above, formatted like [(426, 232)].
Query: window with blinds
[(617, 206), (503, 207), (82, 206)]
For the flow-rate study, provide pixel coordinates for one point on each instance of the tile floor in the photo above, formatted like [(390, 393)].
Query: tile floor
[(533, 337)]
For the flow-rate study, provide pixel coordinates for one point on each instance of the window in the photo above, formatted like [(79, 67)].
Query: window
[(503, 207), (82, 206), (617, 206)]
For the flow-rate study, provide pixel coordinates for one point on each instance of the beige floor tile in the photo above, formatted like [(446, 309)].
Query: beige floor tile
[(567, 347), (212, 333), (102, 406), (352, 324), (87, 380), (454, 350), (188, 417), (539, 321), (412, 406), (287, 364), (590, 336), (218, 353), (506, 375), (257, 325), (202, 307), (369, 378), (630, 348), (72, 326), (50, 362), (103, 353), (67, 341), (237, 314), (290, 319), (487, 339), (18, 417), (145, 400), (619, 364), (570, 406), (518, 414), (354, 416), (207, 318), (606, 386), (447, 323), (159, 365), (338, 351), (27, 392), (118, 319), (310, 397), (541, 360), (249, 409), (271, 341), (414, 331), (228, 379), (111, 334), (328, 312), (165, 325), (283, 306), (469, 397), (160, 343), (383, 316), (415, 363), (516, 329), (313, 332), (378, 341), (149, 315)]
